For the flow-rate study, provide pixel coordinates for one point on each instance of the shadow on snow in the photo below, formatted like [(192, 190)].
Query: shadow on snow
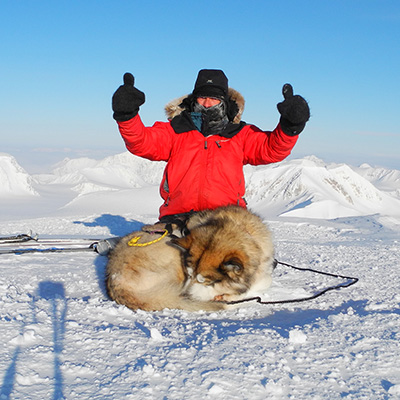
[(118, 226), (54, 293)]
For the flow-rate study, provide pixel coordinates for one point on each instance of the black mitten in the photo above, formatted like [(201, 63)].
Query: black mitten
[(294, 111), (127, 99)]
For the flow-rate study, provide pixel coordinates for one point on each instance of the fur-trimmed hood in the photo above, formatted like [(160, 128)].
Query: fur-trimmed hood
[(175, 107)]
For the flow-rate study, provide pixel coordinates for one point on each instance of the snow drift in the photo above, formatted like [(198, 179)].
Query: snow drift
[(62, 337)]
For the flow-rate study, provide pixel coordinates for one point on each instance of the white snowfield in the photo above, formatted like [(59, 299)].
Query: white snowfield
[(61, 337)]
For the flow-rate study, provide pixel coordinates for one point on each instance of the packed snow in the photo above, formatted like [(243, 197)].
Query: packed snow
[(61, 337)]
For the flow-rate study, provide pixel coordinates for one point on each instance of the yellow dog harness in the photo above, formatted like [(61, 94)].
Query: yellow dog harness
[(134, 241)]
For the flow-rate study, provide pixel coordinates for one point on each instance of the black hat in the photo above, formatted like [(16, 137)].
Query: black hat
[(211, 83)]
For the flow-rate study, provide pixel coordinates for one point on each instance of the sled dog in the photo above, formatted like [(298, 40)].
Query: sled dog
[(226, 255)]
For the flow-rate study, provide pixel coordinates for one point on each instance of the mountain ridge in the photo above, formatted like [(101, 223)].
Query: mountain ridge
[(306, 187)]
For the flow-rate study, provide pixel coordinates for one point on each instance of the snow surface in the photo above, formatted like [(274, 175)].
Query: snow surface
[(61, 337)]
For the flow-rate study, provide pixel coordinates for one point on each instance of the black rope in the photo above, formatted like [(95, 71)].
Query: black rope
[(336, 287)]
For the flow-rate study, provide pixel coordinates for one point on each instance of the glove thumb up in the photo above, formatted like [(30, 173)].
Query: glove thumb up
[(287, 91), (127, 99), (129, 79), (294, 111)]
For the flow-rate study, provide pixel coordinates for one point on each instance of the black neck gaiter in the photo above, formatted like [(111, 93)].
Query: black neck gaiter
[(214, 118)]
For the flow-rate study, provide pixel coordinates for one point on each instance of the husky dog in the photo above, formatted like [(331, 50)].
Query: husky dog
[(226, 255)]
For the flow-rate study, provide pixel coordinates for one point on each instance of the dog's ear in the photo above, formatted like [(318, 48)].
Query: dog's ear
[(184, 243)]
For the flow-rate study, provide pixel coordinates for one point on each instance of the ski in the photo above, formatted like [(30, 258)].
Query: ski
[(51, 245), (18, 238), (30, 243), (48, 250)]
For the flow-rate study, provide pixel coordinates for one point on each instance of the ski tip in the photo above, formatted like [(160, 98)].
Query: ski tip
[(33, 235)]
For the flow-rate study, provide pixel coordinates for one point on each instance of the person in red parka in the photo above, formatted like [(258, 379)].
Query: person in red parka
[(205, 143)]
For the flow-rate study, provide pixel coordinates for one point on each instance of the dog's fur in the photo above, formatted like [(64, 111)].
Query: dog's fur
[(227, 254)]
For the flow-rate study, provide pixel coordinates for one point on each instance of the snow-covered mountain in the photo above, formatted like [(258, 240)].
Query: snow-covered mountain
[(14, 180), (384, 179), (121, 171), (305, 187), (310, 188)]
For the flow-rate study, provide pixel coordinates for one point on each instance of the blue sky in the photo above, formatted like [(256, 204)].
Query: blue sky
[(61, 61)]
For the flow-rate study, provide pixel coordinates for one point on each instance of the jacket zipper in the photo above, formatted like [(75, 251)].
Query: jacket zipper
[(203, 174)]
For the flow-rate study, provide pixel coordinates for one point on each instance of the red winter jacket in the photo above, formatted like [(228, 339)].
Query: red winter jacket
[(203, 172)]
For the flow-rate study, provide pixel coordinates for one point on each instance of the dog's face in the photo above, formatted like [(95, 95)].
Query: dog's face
[(217, 261), (211, 262)]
